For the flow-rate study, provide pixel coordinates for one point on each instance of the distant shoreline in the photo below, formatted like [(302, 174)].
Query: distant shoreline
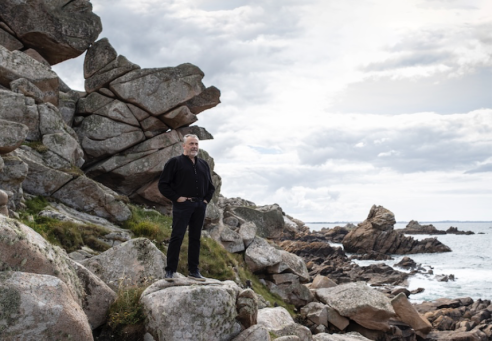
[(401, 222)]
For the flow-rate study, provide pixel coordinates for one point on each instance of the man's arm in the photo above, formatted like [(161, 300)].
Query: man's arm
[(166, 181), (211, 187)]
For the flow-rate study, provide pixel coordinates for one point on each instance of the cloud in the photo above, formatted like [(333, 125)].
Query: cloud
[(330, 107), (439, 93), (406, 143), (485, 168)]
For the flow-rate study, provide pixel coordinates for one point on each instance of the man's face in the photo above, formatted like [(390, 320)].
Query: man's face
[(191, 146)]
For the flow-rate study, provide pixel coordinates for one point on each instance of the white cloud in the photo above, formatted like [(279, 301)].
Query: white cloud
[(330, 107)]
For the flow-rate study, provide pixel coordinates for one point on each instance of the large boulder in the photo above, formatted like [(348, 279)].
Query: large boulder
[(161, 89), (288, 287), (12, 176), (274, 318), (290, 263), (100, 54), (315, 312), (377, 234), (178, 117), (260, 255), (247, 305), (4, 200), (357, 301), (352, 336), (231, 240), (16, 64), (12, 135), (269, 220), (130, 171), (92, 197), (254, 333), (57, 29), (127, 264), (39, 307), (407, 313), (279, 322), (67, 105), (101, 136), (110, 72), (18, 108), (189, 310), (8, 40), (98, 296), (41, 179), (207, 99), (25, 250)]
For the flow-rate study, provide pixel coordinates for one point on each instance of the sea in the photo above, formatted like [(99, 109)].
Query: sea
[(470, 262)]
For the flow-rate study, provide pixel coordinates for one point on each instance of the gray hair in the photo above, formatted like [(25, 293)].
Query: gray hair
[(184, 139)]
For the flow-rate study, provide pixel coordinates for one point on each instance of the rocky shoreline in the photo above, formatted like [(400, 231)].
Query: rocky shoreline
[(92, 153)]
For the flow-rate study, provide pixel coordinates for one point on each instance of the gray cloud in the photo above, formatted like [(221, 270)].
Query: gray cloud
[(408, 149), (486, 168), (277, 63), (225, 46), (439, 93), (419, 58)]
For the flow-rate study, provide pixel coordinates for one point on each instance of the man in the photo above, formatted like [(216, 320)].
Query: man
[(186, 181)]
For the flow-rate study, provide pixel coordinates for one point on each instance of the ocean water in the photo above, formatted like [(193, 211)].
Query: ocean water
[(470, 262)]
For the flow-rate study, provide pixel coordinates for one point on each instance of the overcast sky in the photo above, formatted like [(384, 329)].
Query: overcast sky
[(329, 107)]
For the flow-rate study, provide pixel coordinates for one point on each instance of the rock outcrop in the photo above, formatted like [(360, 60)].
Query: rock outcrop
[(91, 152), (132, 262), (377, 233), (38, 307), (414, 227), (186, 309), (46, 272), (360, 303), (56, 30)]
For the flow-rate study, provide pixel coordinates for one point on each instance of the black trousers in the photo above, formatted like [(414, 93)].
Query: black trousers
[(184, 214)]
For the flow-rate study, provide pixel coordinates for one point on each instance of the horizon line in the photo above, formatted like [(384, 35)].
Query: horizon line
[(404, 221)]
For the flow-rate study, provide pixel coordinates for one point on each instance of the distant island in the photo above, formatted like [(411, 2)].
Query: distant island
[(402, 222)]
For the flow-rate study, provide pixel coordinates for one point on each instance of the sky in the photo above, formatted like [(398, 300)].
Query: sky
[(330, 107)]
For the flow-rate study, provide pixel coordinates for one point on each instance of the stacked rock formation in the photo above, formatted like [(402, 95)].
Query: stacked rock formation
[(132, 120), (119, 133), (90, 150), (377, 234)]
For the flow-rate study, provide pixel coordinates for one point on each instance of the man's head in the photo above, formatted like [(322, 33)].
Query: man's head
[(190, 145)]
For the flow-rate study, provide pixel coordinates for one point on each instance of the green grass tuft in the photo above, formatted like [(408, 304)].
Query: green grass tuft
[(35, 205), (68, 235), (37, 145), (126, 309), (215, 261), (149, 224)]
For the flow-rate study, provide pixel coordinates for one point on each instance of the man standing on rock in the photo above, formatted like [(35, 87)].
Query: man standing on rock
[(186, 181)]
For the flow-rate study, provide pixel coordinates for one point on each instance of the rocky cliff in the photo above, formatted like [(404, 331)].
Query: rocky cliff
[(93, 152)]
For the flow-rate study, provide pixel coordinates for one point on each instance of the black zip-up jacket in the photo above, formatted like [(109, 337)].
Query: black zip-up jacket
[(183, 178)]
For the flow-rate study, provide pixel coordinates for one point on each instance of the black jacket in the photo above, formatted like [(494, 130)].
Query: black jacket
[(183, 178)]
